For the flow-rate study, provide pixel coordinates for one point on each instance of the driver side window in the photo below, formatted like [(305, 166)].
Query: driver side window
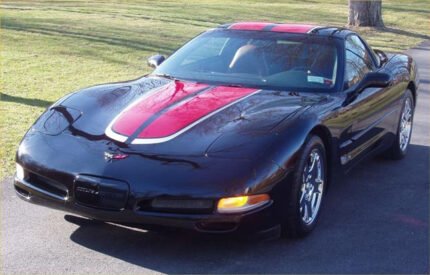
[(358, 61)]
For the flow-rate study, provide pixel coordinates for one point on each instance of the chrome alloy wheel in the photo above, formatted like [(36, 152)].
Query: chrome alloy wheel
[(312, 186), (405, 125)]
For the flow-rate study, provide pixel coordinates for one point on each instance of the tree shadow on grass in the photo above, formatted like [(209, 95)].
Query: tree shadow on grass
[(407, 10), (403, 32), (27, 101), (137, 44)]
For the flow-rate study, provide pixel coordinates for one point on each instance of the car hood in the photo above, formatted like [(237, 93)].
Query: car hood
[(157, 116)]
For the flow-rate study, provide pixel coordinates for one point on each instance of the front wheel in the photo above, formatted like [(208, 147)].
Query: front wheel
[(306, 192)]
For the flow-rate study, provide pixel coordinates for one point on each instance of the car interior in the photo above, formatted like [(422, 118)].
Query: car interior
[(280, 63)]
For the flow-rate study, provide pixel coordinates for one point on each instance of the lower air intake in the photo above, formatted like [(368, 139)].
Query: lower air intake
[(174, 205)]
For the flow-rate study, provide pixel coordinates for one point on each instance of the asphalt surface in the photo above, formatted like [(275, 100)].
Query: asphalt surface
[(376, 220)]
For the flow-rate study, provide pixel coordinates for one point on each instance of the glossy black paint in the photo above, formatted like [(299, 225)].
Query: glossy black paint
[(248, 148)]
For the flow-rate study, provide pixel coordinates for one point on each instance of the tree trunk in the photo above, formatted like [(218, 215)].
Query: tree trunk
[(365, 13)]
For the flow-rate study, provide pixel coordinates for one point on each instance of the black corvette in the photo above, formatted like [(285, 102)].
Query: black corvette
[(239, 131)]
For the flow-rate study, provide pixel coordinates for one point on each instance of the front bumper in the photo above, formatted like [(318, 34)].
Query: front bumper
[(259, 222)]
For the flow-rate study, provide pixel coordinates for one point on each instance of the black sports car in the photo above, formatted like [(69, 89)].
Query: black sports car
[(239, 131)]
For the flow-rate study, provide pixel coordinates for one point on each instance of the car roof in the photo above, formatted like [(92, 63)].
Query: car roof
[(288, 28)]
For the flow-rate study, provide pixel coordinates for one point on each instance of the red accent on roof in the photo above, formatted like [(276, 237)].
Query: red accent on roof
[(132, 118), (249, 26), (191, 111), (294, 28)]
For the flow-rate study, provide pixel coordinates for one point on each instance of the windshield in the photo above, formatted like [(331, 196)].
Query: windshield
[(274, 60)]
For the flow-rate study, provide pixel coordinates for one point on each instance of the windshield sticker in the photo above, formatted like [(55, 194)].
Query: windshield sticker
[(317, 79)]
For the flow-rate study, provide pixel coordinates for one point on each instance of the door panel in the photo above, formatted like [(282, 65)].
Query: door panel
[(371, 112)]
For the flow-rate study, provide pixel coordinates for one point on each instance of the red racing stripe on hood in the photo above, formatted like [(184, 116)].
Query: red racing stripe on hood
[(129, 121), (191, 112)]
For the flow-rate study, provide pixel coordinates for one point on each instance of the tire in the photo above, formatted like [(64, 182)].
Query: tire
[(400, 146), (298, 221)]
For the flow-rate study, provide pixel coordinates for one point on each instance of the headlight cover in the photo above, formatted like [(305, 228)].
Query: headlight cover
[(56, 119)]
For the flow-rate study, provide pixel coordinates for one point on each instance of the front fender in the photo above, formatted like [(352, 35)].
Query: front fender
[(291, 136)]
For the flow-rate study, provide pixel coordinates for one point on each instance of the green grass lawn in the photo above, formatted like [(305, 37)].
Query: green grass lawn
[(50, 48)]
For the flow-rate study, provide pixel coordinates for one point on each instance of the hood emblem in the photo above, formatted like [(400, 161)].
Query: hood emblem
[(109, 156)]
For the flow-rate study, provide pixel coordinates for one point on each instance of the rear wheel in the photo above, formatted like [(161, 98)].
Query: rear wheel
[(306, 192), (404, 129)]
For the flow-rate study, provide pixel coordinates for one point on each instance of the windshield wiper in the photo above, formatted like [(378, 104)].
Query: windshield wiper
[(168, 76), (233, 85)]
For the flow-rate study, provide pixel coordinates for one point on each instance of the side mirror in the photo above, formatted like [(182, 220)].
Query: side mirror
[(374, 79), (382, 56), (155, 60)]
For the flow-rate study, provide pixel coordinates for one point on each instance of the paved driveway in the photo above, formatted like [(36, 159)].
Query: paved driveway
[(375, 221)]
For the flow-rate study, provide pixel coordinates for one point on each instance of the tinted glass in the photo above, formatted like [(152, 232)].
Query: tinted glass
[(257, 59), (357, 61)]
